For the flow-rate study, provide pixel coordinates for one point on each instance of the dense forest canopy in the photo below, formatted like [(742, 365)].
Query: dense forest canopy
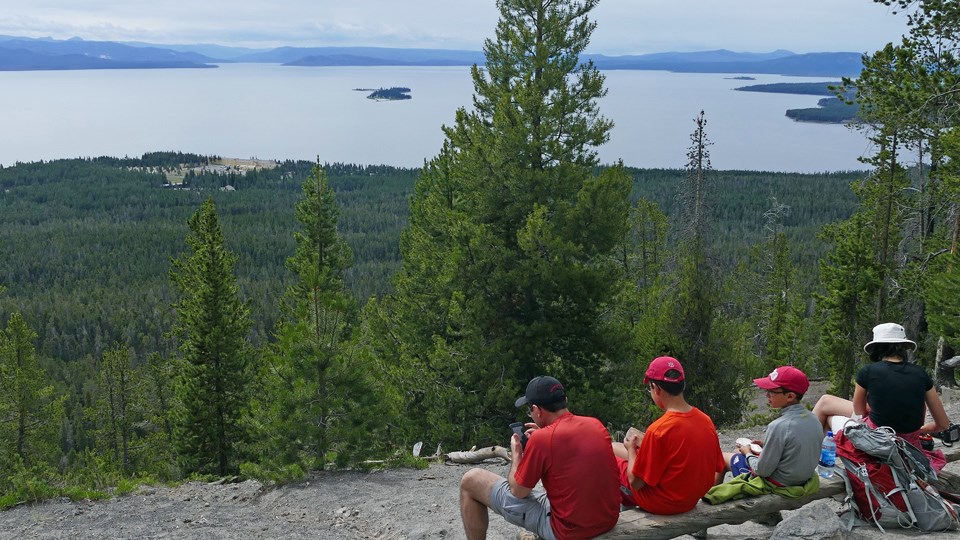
[(90, 241)]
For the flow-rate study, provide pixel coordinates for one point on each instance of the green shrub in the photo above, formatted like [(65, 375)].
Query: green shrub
[(272, 474)]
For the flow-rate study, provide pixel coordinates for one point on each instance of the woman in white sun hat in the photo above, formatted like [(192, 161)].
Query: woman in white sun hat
[(890, 391)]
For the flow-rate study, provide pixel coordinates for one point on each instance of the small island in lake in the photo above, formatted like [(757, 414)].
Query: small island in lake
[(393, 93), (741, 78)]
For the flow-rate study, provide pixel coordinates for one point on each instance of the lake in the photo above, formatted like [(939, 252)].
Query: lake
[(270, 111)]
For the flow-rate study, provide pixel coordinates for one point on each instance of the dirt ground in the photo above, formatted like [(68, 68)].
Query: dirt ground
[(391, 504)]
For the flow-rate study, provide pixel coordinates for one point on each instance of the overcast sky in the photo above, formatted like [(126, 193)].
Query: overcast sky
[(624, 26)]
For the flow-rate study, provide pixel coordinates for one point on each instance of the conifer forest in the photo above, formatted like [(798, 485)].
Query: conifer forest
[(162, 318)]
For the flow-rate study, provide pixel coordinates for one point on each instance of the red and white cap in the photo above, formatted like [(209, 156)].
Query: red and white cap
[(786, 377), (658, 368)]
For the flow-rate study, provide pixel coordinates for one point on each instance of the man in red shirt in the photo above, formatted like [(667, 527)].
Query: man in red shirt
[(571, 455), (670, 467)]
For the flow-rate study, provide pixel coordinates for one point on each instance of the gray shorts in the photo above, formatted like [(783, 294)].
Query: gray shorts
[(531, 512)]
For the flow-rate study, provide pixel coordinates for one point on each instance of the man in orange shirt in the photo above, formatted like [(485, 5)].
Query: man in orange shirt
[(670, 467)]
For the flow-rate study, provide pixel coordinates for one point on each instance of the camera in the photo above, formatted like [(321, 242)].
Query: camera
[(949, 435), (517, 428)]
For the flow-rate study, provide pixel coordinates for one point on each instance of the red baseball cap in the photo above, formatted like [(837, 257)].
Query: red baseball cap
[(786, 377), (658, 368)]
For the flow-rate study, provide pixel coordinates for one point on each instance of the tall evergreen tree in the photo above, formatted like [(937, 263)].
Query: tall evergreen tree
[(942, 285), (158, 447), (778, 319), (698, 334), (508, 270), (908, 102), (212, 325), (695, 193), (318, 396), (850, 278), (643, 256), (119, 405), (31, 411)]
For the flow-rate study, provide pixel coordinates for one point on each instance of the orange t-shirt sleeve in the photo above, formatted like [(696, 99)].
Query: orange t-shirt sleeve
[(645, 467)]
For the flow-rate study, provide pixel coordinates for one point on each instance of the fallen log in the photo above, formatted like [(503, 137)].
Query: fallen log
[(635, 524), (479, 456)]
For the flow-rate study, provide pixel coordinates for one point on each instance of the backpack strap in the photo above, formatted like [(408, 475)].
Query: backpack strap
[(860, 471), (848, 513), (950, 509), (908, 513)]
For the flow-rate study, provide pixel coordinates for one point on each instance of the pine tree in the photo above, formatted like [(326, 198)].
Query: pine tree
[(695, 193), (31, 411), (508, 268), (698, 334), (850, 277), (909, 105), (156, 452), (116, 404), (318, 399), (643, 256), (942, 283), (778, 319), (212, 325)]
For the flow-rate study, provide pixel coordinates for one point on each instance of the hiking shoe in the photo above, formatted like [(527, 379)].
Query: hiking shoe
[(524, 534)]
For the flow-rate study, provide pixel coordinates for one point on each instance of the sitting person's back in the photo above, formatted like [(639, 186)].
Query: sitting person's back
[(668, 468), (890, 392), (678, 460), (572, 458), (895, 394), (571, 455)]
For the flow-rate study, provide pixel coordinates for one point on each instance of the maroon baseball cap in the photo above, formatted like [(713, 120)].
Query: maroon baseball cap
[(786, 377), (658, 368)]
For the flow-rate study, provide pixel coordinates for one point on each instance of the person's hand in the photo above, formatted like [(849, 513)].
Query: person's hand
[(516, 449), (749, 447), (530, 428), (633, 438)]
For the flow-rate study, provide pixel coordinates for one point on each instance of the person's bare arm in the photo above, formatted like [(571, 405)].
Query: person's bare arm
[(633, 444), (516, 453), (935, 406), (860, 400)]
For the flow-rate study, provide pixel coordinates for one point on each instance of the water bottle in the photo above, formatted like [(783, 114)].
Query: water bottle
[(828, 456)]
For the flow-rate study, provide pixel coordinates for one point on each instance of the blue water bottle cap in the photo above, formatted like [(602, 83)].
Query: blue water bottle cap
[(829, 434)]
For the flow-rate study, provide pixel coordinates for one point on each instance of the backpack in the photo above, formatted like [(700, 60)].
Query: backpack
[(888, 480)]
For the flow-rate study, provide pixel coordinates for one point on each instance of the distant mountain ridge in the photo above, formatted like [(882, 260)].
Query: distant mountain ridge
[(718, 55), (830, 64), (17, 53), (366, 56)]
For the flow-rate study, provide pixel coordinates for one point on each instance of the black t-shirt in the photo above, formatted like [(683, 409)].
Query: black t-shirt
[(895, 393)]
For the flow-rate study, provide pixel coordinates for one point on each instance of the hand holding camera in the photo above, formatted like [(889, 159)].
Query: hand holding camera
[(949, 435), (518, 428)]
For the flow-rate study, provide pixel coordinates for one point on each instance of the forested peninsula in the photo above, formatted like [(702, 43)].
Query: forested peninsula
[(831, 110)]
